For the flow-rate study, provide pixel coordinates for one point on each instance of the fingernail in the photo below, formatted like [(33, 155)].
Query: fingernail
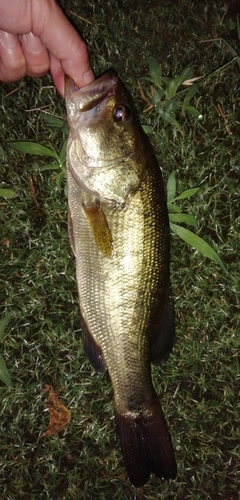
[(33, 43), (8, 39), (88, 77)]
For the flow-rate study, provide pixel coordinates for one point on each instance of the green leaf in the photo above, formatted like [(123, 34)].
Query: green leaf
[(59, 179), (160, 92), (51, 146), (174, 83), (145, 79), (33, 148), (50, 166), (53, 121), (155, 71), (172, 87), (4, 373), (187, 74), (186, 218), (62, 154), (171, 187), (198, 243), (166, 80), (194, 112), (2, 216), (189, 95), (173, 208), (171, 105), (3, 323), (160, 110), (186, 194), (147, 129), (169, 118), (7, 193), (156, 100)]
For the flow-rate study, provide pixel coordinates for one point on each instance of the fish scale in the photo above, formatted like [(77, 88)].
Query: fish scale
[(119, 230)]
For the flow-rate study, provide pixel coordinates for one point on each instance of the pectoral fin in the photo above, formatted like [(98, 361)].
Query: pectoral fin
[(100, 228)]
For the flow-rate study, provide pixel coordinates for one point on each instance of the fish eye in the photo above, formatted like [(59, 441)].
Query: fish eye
[(121, 113)]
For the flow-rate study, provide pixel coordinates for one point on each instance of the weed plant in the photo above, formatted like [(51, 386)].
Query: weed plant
[(41, 344)]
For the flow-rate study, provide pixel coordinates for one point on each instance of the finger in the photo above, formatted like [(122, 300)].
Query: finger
[(58, 74), (36, 55), (12, 60), (62, 41), (58, 71), (78, 65)]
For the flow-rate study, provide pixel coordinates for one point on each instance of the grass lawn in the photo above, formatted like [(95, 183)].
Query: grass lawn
[(199, 384)]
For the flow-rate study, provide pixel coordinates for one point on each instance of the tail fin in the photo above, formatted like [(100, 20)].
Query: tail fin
[(146, 445)]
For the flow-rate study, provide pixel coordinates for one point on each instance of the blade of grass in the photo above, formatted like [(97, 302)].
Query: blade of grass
[(198, 243), (34, 148), (147, 129), (155, 71), (171, 187), (62, 154), (173, 208), (50, 166), (7, 193), (178, 80), (3, 323), (193, 111), (189, 95), (186, 218), (59, 179), (52, 120), (4, 373), (186, 194)]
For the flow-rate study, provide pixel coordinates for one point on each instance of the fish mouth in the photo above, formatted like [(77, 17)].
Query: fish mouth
[(87, 107), (93, 96)]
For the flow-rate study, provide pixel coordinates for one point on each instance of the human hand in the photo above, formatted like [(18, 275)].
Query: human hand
[(35, 36)]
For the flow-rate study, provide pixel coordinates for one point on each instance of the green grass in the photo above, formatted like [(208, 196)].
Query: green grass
[(199, 385)]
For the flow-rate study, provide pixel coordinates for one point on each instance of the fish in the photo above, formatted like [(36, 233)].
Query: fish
[(119, 232)]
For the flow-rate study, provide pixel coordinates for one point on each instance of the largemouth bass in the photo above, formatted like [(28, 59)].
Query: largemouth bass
[(119, 231)]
